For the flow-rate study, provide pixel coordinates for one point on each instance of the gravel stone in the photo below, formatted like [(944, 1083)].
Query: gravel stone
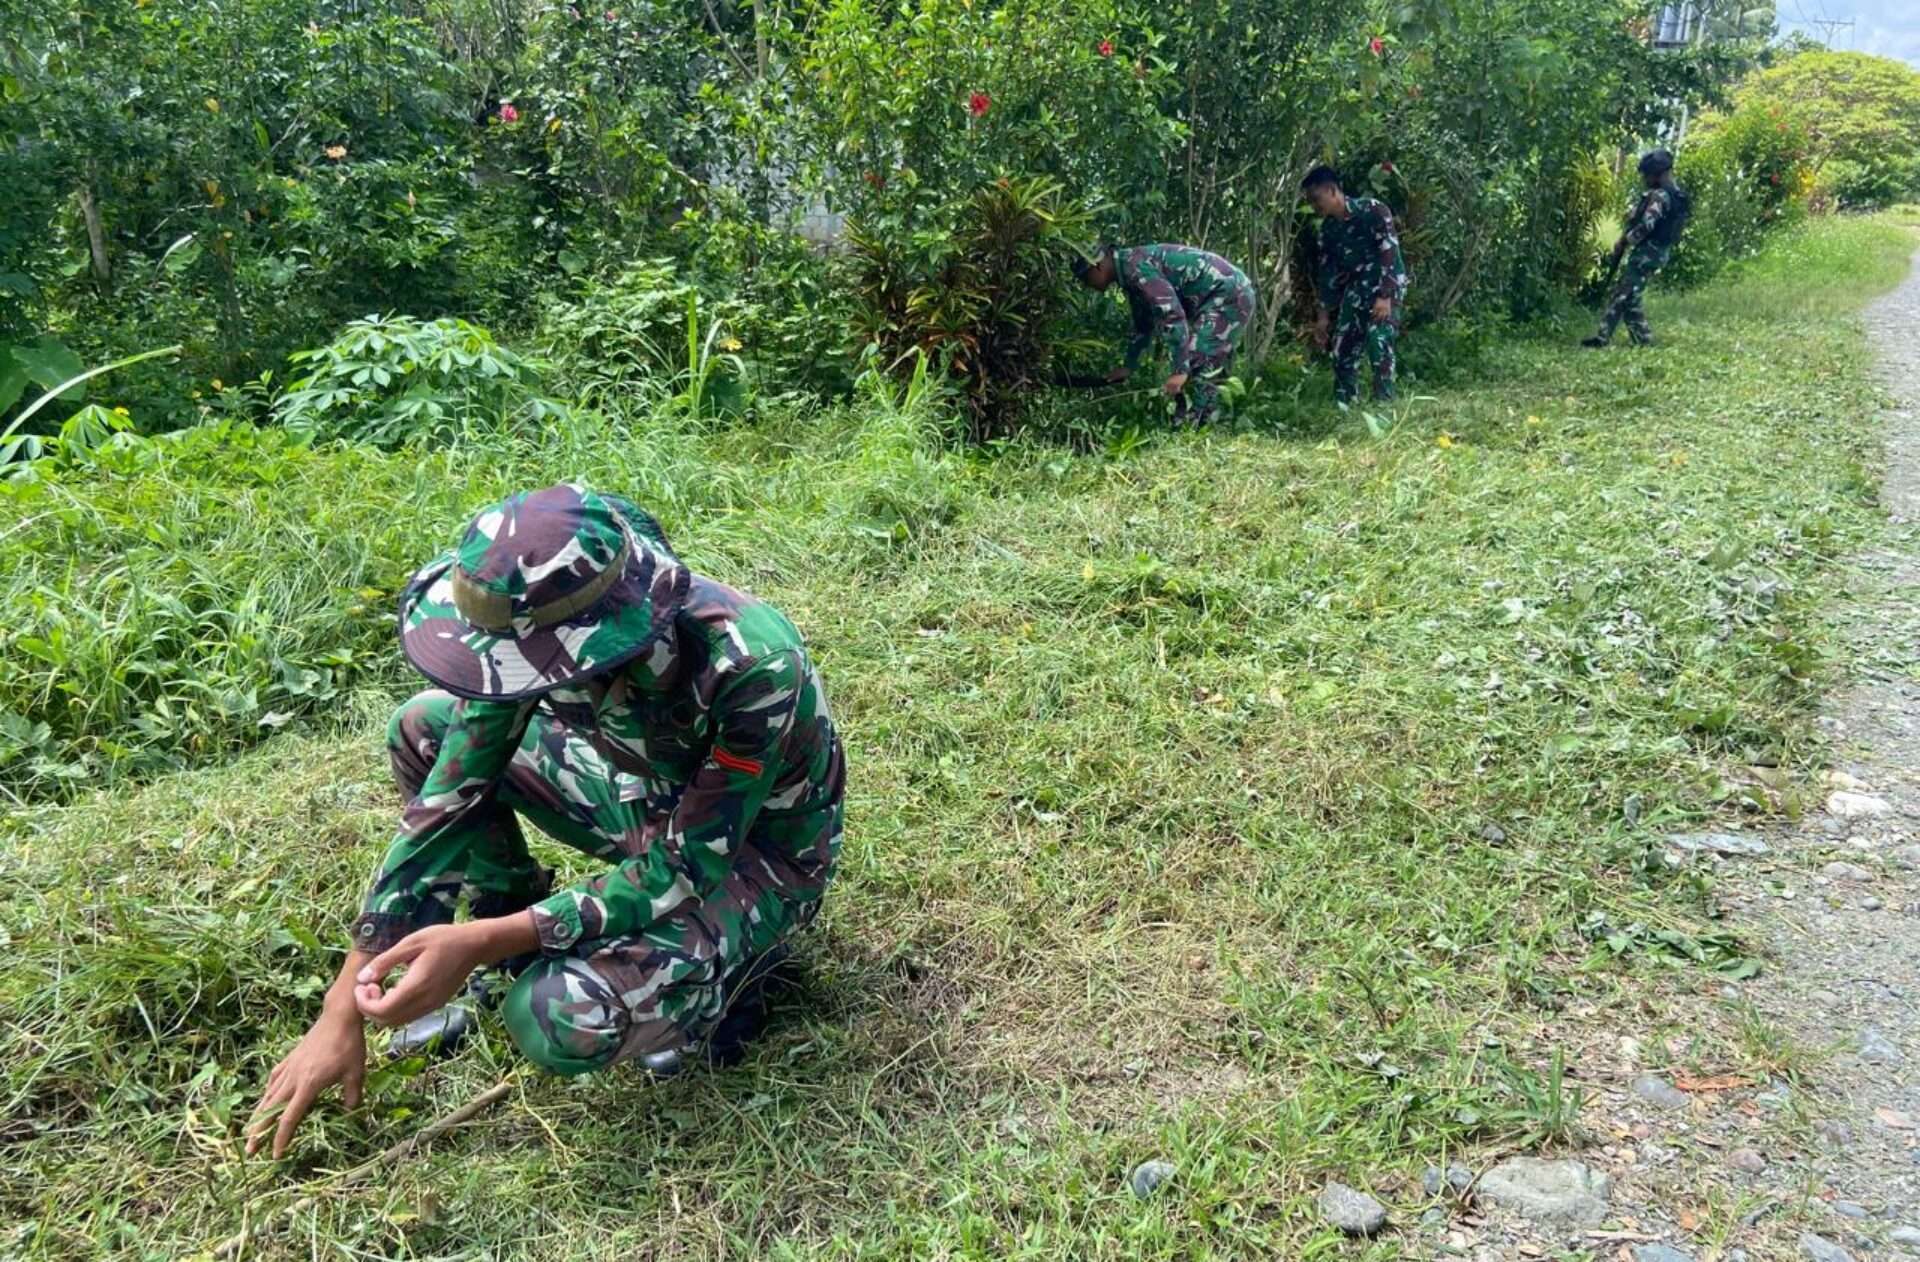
[(1569, 1192), (1821, 1249), (1660, 1093), (1351, 1210), (1148, 1176)]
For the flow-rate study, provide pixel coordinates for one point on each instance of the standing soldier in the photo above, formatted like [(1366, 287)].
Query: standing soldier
[(665, 724), (1196, 304), (1362, 282), (1652, 230)]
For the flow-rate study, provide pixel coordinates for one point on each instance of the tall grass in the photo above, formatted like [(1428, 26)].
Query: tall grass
[(1246, 799)]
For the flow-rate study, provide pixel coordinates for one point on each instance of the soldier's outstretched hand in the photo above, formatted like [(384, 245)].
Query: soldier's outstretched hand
[(1382, 310), (1174, 385), (333, 1051), (1321, 329)]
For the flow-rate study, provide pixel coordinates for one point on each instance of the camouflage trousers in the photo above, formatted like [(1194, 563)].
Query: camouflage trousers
[(613, 998), (1213, 335), (1629, 293), (1354, 331)]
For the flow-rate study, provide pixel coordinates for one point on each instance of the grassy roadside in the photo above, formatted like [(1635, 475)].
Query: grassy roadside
[(1239, 800)]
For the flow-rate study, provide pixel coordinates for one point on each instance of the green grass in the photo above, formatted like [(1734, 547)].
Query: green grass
[(1172, 772)]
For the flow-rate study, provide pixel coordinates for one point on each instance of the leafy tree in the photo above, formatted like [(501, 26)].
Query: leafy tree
[(1860, 116)]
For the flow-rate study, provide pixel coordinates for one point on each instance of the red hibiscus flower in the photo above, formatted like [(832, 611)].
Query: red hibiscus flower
[(1376, 46), (508, 114), (978, 104), (1106, 48)]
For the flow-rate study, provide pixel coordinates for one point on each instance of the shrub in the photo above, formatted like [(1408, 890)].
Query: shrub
[(393, 379), (1748, 176), (975, 286)]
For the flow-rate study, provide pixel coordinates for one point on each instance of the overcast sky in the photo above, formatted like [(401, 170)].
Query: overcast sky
[(1888, 27)]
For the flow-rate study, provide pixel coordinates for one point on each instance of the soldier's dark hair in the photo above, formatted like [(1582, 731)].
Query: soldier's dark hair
[(1319, 177), (1084, 263), (1659, 162)]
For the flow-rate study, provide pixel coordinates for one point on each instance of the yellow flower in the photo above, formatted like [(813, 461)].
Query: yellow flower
[(729, 343), (1533, 420), (217, 386), (213, 106), (1444, 440), (1086, 571), (336, 152)]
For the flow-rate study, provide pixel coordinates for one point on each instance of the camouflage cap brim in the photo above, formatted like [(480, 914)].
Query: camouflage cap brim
[(528, 660)]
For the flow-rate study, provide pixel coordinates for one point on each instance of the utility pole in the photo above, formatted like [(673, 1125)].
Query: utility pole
[(1829, 26)]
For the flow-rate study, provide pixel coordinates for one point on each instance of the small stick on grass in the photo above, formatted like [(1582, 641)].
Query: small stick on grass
[(433, 1130)]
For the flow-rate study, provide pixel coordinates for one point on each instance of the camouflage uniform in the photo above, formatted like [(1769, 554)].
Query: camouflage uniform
[(1646, 255), (1359, 263), (692, 749), (1197, 305)]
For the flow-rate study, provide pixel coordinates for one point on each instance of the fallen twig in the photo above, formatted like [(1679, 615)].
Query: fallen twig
[(466, 1112)]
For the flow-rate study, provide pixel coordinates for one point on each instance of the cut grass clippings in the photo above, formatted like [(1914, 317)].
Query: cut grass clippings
[(1238, 800)]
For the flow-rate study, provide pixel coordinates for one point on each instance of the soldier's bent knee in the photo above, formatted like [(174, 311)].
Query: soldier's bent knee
[(423, 717)]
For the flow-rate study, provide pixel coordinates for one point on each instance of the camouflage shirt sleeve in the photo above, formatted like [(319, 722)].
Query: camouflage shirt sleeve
[(420, 879), (1386, 244), (1646, 216), (752, 719), (1326, 272), (1142, 335), (1169, 317)]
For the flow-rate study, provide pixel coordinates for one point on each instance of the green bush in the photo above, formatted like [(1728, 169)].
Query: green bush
[(1748, 177), (395, 379), (975, 286)]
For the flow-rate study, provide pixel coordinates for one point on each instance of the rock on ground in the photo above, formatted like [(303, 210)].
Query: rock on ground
[(1876, 1049), (1857, 805), (1821, 1249), (1660, 1093), (1148, 1176), (1907, 1238), (1351, 1210), (1660, 1253), (1718, 843), (1569, 1192)]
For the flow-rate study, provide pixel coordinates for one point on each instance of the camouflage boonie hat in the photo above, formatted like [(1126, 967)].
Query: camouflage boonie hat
[(546, 588)]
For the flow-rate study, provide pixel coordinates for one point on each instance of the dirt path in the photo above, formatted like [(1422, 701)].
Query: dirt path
[(1823, 1161), (1846, 945), (1778, 1118)]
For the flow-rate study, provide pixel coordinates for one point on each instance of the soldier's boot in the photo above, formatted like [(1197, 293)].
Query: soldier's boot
[(442, 1031), (750, 993), (1596, 342), (746, 1007)]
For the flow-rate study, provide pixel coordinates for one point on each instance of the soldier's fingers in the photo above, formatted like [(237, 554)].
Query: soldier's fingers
[(289, 1120), (351, 1085), (262, 1120), (393, 957)]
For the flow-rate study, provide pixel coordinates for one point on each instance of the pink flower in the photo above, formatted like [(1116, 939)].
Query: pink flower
[(508, 114), (1376, 46), (1106, 48), (1387, 167), (978, 104), (611, 15)]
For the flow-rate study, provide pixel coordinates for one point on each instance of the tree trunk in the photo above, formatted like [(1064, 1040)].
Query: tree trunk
[(760, 51), (96, 240)]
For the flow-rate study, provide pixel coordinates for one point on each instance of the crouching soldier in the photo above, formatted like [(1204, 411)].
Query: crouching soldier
[(667, 725), (1362, 283), (1195, 304)]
